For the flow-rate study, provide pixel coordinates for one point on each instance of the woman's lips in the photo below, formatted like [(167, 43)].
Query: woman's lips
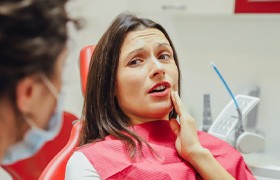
[(160, 89), (161, 93)]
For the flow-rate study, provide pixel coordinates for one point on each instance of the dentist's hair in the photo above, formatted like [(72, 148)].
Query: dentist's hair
[(33, 34), (101, 111)]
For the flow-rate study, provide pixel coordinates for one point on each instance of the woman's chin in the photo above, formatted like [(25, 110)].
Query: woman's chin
[(161, 113)]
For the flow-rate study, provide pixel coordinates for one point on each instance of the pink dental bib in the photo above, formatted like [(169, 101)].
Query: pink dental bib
[(111, 159)]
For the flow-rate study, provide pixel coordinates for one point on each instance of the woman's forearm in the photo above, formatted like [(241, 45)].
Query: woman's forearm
[(207, 166)]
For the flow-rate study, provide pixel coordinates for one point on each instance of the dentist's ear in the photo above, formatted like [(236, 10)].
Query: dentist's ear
[(26, 90)]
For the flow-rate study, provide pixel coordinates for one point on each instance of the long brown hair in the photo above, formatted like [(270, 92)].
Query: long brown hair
[(101, 112)]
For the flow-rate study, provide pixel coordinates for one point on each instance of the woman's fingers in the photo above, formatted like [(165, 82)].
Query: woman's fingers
[(175, 103), (187, 123), (179, 106)]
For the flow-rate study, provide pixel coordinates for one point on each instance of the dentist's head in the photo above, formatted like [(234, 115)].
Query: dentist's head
[(33, 37)]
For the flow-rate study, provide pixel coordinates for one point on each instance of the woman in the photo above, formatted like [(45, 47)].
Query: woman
[(33, 36), (131, 103)]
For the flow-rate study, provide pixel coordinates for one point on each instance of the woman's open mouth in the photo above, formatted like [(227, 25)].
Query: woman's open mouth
[(160, 89)]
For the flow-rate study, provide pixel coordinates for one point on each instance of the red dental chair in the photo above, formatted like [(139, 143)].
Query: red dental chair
[(85, 57), (32, 167), (56, 168)]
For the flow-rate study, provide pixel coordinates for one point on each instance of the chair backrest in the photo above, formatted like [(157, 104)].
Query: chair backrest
[(32, 167), (56, 168), (85, 57)]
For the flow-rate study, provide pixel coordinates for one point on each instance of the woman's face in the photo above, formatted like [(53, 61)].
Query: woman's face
[(147, 73)]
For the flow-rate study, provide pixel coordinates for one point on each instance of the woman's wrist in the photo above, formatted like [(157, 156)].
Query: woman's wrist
[(206, 165), (196, 154)]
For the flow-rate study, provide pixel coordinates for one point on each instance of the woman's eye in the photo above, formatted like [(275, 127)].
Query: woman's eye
[(134, 62), (164, 56)]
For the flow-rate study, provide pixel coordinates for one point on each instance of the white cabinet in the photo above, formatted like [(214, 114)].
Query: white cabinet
[(181, 6)]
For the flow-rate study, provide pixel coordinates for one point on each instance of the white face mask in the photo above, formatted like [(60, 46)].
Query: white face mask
[(36, 137)]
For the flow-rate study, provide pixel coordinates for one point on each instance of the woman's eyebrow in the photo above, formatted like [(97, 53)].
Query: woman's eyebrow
[(164, 44), (134, 51), (141, 49)]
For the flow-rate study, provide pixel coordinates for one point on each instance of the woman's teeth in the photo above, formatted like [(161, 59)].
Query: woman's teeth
[(159, 88)]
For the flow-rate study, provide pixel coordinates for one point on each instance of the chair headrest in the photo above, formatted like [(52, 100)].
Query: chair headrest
[(85, 57)]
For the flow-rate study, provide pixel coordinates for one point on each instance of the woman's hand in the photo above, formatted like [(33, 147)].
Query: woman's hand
[(189, 147), (187, 142)]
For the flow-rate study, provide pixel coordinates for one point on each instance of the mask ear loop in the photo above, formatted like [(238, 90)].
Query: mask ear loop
[(31, 123), (52, 89), (49, 85)]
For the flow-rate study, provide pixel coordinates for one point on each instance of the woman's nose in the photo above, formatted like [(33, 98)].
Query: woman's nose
[(157, 68)]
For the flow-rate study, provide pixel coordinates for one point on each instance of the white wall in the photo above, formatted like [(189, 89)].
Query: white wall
[(246, 48)]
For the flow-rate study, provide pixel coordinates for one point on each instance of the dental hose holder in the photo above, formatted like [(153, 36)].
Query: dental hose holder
[(229, 123)]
